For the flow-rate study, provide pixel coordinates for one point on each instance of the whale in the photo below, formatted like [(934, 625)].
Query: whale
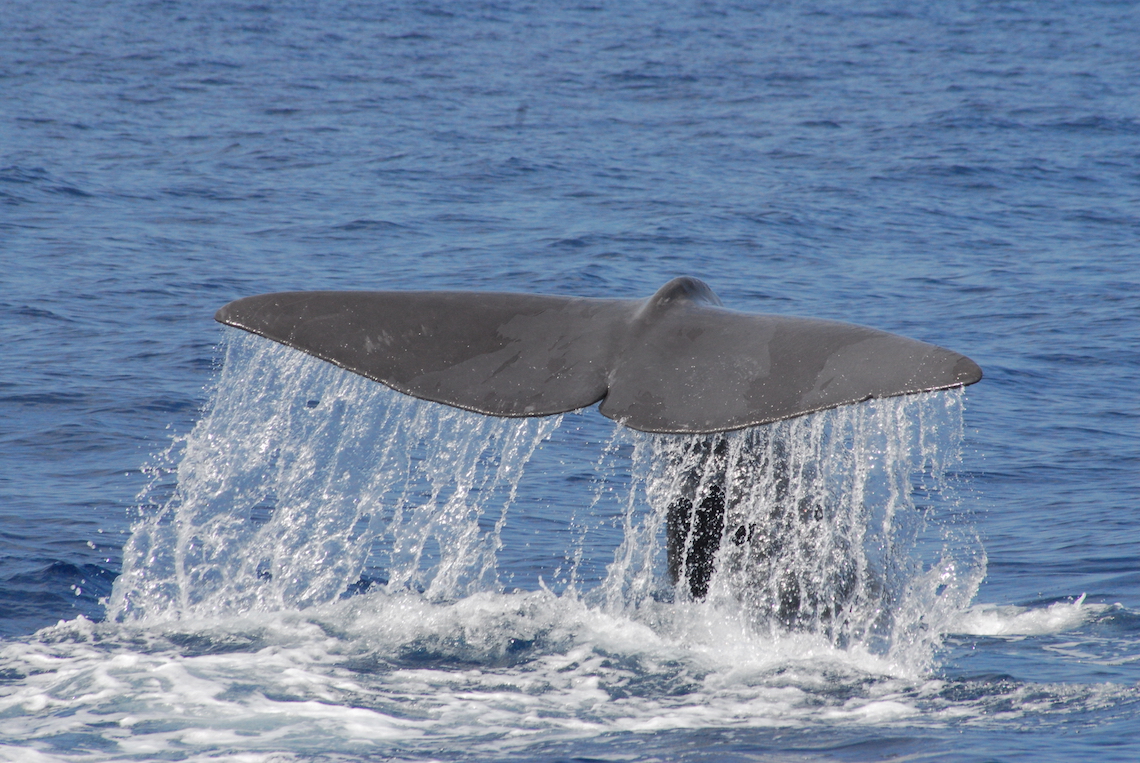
[(677, 362)]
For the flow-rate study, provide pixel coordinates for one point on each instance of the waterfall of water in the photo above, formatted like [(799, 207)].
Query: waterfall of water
[(301, 477), (841, 523), (299, 471)]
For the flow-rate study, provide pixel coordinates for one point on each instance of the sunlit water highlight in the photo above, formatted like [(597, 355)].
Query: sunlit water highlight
[(315, 568)]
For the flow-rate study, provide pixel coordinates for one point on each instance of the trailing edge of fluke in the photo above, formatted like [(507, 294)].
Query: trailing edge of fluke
[(675, 362)]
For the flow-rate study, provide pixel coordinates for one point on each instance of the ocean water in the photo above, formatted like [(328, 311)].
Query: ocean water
[(216, 548)]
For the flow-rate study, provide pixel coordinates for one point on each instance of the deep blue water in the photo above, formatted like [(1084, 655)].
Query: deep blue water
[(967, 174)]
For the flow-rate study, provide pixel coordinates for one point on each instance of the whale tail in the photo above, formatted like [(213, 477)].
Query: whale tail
[(676, 362)]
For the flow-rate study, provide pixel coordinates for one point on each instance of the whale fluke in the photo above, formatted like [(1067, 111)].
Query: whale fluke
[(676, 362)]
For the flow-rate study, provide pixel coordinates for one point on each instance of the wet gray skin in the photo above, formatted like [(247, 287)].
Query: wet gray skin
[(677, 362)]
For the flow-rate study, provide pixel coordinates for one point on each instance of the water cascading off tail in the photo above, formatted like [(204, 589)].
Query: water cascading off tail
[(301, 477), (843, 524), (297, 471)]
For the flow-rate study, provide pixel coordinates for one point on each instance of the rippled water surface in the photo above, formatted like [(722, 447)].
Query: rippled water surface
[(212, 547)]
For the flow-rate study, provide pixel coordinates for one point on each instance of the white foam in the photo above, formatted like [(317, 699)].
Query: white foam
[(385, 674), (1008, 620)]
